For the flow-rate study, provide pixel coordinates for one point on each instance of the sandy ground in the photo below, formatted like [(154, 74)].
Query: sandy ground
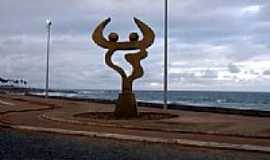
[(52, 113)]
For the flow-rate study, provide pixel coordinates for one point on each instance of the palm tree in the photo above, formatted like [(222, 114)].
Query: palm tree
[(2, 80), (25, 83)]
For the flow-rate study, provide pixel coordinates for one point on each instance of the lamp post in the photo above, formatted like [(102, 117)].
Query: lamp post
[(165, 85), (49, 24)]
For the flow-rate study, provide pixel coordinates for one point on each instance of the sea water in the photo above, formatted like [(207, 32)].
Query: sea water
[(238, 100)]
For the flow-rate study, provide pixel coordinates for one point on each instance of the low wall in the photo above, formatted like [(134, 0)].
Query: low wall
[(245, 112)]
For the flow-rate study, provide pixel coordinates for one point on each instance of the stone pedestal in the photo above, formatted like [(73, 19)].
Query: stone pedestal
[(126, 106)]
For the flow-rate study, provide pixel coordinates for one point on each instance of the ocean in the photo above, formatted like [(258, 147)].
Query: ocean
[(237, 100)]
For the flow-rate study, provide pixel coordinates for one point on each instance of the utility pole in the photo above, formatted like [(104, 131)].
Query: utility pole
[(49, 24), (165, 85)]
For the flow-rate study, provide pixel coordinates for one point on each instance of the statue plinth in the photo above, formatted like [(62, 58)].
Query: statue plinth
[(126, 106)]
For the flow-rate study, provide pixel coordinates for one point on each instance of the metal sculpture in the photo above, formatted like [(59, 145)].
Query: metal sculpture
[(126, 105)]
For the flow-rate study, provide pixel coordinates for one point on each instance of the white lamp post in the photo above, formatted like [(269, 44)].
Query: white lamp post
[(49, 24)]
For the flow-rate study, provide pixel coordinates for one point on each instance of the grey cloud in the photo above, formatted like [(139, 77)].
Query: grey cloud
[(189, 76), (253, 72), (205, 35), (211, 74), (233, 68), (266, 72), (182, 76)]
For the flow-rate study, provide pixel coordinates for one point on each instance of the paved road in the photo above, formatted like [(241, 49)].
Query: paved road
[(27, 145)]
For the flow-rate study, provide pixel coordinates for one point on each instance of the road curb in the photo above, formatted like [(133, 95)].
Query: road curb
[(184, 142)]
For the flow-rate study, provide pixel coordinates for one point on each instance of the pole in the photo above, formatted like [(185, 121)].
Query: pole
[(165, 55), (49, 23)]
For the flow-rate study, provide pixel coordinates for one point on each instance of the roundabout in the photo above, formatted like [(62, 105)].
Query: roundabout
[(195, 129)]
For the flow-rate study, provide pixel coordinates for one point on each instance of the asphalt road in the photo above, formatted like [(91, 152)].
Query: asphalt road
[(16, 145)]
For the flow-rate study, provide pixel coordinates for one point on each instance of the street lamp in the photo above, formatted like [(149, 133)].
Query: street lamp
[(49, 24), (165, 85)]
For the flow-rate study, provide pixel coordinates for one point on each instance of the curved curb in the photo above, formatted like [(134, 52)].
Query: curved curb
[(62, 120), (184, 142)]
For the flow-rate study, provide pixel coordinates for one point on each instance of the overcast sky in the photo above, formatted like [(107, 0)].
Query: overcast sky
[(214, 44)]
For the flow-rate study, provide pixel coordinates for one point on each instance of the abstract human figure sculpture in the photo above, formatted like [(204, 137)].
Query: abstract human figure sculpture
[(126, 105)]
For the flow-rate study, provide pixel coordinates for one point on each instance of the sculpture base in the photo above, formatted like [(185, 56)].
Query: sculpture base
[(126, 106)]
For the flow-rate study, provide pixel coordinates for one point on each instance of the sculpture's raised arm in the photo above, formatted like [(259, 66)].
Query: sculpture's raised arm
[(148, 34), (98, 36), (145, 42)]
